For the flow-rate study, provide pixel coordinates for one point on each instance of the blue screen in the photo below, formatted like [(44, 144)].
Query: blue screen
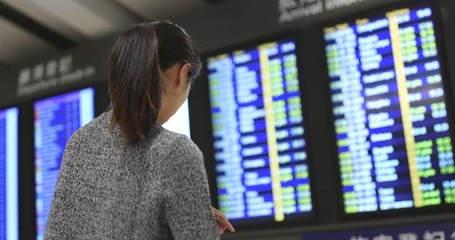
[(390, 112), (9, 209), (56, 119), (260, 148)]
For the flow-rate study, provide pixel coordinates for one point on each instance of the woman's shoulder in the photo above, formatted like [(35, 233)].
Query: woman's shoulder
[(181, 144), (184, 159), (90, 132), (177, 139)]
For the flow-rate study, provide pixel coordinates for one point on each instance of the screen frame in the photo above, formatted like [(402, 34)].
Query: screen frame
[(446, 84), (200, 93)]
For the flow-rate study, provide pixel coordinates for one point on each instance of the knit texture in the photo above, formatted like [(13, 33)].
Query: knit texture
[(155, 189)]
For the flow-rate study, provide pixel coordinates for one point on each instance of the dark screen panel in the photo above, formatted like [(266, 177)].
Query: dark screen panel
[(259, 136), (56, 119), (9, 200), (390, 112)]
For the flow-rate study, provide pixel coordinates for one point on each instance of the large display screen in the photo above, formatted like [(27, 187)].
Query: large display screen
[(390, 112), (56, 119), (9, 201), (258, 129), (180, 121)]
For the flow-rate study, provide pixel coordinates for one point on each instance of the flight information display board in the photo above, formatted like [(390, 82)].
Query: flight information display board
[(257, 122), (9, 200), (393, 134), (56, 119)]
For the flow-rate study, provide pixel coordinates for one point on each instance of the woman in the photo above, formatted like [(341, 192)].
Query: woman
[(123, 176)]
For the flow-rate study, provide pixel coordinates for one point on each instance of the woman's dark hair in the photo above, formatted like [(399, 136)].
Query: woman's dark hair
[(137, 61)]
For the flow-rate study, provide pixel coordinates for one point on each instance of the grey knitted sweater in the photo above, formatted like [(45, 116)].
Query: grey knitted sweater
[(155, 189)]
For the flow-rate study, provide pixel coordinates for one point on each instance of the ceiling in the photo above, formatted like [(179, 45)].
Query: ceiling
[(31, 28)]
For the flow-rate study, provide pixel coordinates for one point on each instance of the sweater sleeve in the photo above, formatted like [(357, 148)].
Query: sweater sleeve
[(187, 205)]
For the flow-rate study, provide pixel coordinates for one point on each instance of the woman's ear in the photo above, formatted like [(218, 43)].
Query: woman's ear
[(183, 75)]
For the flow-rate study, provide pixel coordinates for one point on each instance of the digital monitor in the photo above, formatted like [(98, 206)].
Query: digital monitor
[(259, 136), (180, 121), (393, 132), (9, 200), (56, 119)]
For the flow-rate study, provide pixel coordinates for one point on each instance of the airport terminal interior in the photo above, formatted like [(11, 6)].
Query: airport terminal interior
[(317, 119)]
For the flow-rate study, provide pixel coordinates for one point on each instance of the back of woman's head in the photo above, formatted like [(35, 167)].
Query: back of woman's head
[(137, 62)]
